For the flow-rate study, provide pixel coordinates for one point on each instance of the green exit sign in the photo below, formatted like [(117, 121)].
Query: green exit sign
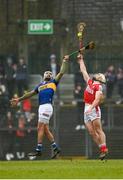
[(43, 26)]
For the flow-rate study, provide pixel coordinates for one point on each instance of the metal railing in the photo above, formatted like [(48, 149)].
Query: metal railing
[(71, 141)]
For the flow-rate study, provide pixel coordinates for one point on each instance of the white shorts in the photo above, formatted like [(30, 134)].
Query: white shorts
[(95, 114), (45, 112)]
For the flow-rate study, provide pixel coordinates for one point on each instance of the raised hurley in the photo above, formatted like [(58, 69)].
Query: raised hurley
[(80, 28)]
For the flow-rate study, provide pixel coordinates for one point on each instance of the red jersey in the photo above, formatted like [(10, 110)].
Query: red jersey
[(90, 91)]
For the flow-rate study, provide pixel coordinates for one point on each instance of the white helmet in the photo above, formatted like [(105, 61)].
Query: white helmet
[(100, 77), (48, 75)]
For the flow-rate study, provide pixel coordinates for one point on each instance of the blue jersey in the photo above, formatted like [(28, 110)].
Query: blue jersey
[(46, 91)]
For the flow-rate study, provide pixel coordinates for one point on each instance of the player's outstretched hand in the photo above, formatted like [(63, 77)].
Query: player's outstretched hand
[(14, 102), (66, 58)]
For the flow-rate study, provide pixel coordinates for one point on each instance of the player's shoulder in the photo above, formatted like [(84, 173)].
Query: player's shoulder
[(41, 83), (99, 87), (90, 81), (53, 81)]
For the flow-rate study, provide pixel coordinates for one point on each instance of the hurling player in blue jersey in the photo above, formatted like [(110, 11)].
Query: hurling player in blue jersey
[(45, 91)]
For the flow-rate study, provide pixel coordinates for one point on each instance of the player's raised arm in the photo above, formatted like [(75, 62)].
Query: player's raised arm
[(14, 101), (63, 68), (83, 67)]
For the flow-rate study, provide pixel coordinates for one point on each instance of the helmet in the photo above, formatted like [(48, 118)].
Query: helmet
[(48, 75), (100, 77)]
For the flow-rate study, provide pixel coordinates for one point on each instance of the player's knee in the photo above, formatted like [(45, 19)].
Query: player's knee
[(99, 131), (40, 127), (92, 133), (46, 129)]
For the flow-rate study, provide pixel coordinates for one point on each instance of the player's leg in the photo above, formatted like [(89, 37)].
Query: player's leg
[(98, 128), (89, 125), (40, 136), (50, 137), (48, 133), (43, 118), (92, 132), (38, 150), (102, 138)]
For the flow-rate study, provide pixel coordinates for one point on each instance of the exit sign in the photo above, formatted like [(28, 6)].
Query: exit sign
[(43, 26)]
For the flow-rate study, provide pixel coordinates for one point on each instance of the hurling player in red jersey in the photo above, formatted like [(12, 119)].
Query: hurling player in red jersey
[(92, 115)]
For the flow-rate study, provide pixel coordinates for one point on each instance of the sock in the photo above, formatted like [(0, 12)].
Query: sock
[(39, 147), (102, 147), (54, 145)]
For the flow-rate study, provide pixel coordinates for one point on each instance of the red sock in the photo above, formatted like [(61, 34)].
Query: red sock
[(103, 148)]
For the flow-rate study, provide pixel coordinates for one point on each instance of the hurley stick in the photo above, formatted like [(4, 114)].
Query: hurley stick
[(80, 28), (90, 45)]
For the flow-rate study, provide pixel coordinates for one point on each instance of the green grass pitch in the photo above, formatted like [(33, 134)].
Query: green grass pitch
[(62, 169)]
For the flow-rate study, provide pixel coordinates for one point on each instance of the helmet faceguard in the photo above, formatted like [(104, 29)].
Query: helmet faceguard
[(48, 75), (100, 77)]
